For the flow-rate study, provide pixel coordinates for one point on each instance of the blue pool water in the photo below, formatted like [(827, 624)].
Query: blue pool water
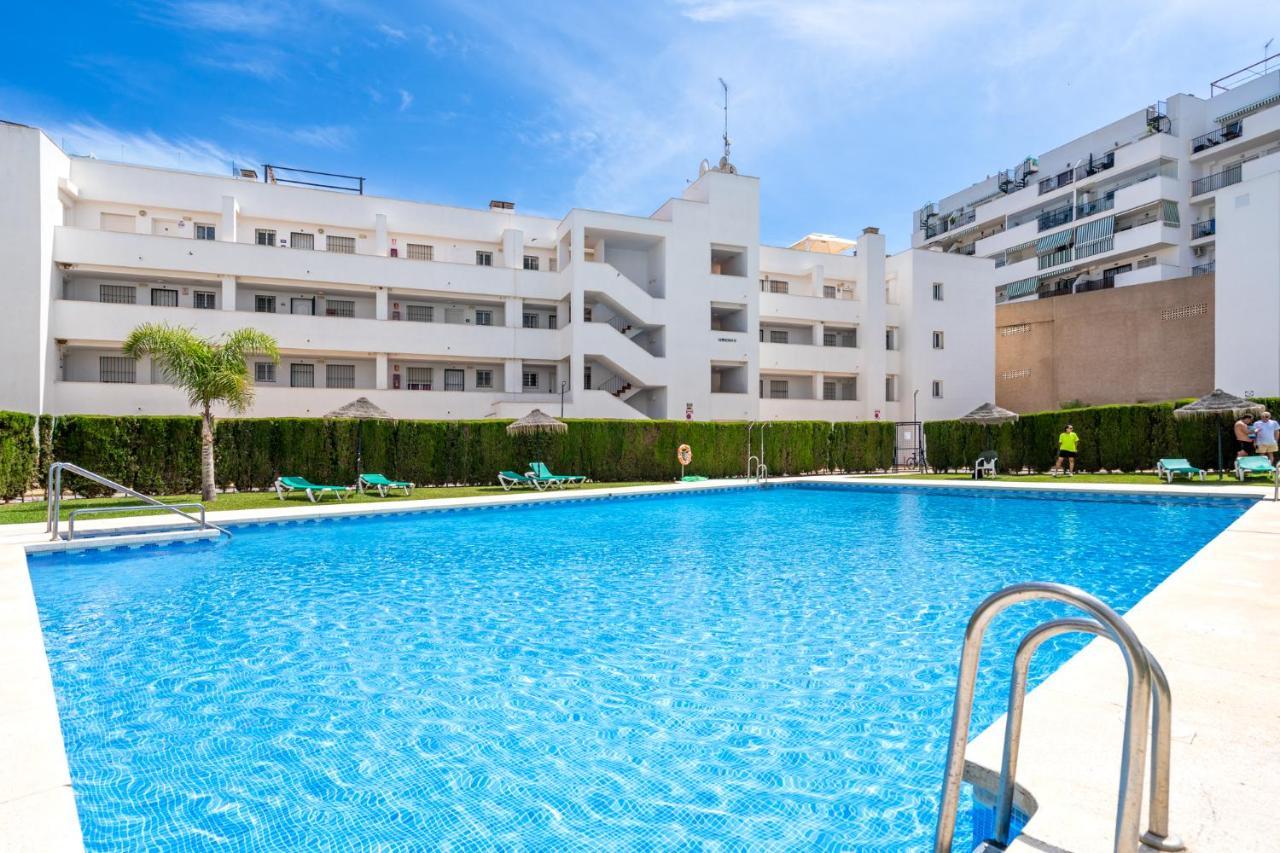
[(766, 668)]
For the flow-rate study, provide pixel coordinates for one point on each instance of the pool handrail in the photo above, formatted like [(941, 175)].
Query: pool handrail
[(1137, 706), (53, 501), (1157, 835)]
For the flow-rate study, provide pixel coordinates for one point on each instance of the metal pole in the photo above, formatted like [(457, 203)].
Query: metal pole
[(563, 386)]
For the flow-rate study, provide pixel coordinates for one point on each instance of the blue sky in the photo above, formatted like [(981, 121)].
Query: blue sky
[(852, 112)]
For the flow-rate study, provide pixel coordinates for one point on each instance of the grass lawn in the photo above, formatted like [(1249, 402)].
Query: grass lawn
[(18, 513), (1139, 479)]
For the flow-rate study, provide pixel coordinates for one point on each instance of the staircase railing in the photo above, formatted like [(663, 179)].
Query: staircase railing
[(53, 501)]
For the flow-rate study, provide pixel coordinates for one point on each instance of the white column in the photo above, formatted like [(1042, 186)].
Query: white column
[(514, 310), (818, 379), (511, 378), (381, 244), (380, 304), (817, 278), (228, 293), (230, 216), (513, 248), (380, 372), (818, 330), (871, 282)]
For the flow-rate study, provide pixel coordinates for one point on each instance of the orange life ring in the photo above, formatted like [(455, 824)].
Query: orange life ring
[(685, 454)]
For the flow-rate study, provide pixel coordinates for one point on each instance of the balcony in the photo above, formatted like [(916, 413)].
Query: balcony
[(950, 222), (809, 358), (1097, 205), (1054, 218), (1213, 138), (1061, 179), (1203, 269), (1206, 228), (1218, 180)]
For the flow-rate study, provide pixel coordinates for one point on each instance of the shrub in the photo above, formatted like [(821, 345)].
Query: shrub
[(19, 453)]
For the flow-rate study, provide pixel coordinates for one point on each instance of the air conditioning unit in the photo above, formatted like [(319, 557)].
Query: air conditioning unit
[(1198, 251)]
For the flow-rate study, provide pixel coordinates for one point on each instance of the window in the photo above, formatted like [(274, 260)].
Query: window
[(484, 378), (778, 336), (302, 305), (530, 379), (484, 317), (116, 368), (420, 378), (891, 389), (531, 262), (586, 313), (847, 338), (264, 304), (302, 376), (484, 259), (828, 390), (419, 252), (840, 389), (206, 299), (205, 232), (454, 379), (340, 307), (116, 222), (937, 389), (938, 340), (264, 371), (891, 338), (264, 236), (341, 245), (340, 376), (828, 291), (420, 313), (454, 315), (530, 320), (302, 240), (937, 291), (769, 285), (164, 297), (778, 389), (551, 320), (586, 377), (120, 294)]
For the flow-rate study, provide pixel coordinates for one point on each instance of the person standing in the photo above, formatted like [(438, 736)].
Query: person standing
[(1244, 436), (1068, 444), (1264, 441)]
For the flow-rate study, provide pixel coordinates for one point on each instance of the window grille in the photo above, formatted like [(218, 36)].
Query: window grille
[(206, 299), (419, 252), (454, 380), (119, 294), (340, 376), (116, 368), (341, 245), (302, 376), (419, 378), (420, 313), (302, 240), (484, 378), (264, 371), (779, 389), (340, 307), (164, 298)]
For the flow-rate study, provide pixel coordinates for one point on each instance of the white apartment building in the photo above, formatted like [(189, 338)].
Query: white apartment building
[(442, 312), (1186, 186)]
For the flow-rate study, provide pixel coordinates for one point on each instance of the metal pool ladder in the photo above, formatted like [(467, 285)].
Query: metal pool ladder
[(1147, 687), (761, 469), (53, 500)]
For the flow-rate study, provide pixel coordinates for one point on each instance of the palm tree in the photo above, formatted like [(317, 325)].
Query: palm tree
[(210, 371)]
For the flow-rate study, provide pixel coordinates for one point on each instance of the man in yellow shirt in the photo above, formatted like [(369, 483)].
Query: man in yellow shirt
[(1068, 442)]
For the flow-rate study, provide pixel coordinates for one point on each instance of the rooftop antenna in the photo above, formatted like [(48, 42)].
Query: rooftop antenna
[(725, 165)]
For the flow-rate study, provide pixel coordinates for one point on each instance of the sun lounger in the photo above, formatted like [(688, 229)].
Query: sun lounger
[(382, 484), (510, 479), (1251, 465), (301, 484), (1168, 467), (541, 472)]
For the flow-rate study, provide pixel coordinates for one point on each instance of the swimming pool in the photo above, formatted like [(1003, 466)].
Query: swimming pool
[(766, 667)]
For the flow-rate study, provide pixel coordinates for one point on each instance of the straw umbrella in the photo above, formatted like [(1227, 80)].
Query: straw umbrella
[(360, 409), (1214, 405), (537, 423)]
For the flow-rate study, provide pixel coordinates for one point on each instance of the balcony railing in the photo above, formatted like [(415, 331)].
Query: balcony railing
[(1226, 133), (1203, 269), (1204, 229), (1093, 165), (1061, 179), (950, 222), (1097, 205), (1054, 218), (1218, 180)]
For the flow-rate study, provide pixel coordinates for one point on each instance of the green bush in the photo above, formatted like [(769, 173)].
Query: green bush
[(19, 453)]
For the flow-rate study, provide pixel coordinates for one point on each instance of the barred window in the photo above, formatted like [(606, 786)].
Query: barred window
[(206, 299), (340, 376), (205, 232), (779, 389), (264, 236), (484, 378), (419, 378), (419, 252), (551, 320), (302, 376), (847, 338), (340, 307), (302, 240), (264, 304), (120, 294), (264, 371), (420, 313), (531, 262), (454, 379), (341, 245), (828, 291), (164, 297), (116, 368), (779, 336)]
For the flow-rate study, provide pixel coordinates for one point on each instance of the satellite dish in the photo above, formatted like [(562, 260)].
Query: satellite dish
[(704, 167)]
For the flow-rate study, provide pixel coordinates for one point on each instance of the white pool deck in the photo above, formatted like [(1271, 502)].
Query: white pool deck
[(1214, 624)]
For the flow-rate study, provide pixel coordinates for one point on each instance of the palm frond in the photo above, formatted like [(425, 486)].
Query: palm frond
[(209, 371)]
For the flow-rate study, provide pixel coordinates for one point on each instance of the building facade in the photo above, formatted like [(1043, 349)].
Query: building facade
[(443, 312), (1184, 187)]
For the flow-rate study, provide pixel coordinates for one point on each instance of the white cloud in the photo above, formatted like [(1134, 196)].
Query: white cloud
[(225, 16), (391, 32), (91, 138), (331, 136), (406, 99)]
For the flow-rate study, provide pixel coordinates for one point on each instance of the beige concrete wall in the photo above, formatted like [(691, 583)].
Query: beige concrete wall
[(1142, 343)]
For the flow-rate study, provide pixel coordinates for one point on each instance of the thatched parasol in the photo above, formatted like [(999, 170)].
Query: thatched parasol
[(990, 413), (1218, 403), (536, 423), (361, 409)]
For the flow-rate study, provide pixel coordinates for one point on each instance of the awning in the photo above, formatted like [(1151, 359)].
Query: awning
[(1169, 209), (1014, 289), (1095, 230), (1248, 109), (1012, 250), (1095, 247), (1050, 242)]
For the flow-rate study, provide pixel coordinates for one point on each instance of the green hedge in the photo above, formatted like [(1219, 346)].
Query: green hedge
[(18, 453), (1112, 438), (160, 455)]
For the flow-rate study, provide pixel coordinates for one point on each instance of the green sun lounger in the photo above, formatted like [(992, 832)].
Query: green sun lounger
[(1168, 467), (1251, 465), (382, 484), (541, 472), (510, 479), (285, 485)]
